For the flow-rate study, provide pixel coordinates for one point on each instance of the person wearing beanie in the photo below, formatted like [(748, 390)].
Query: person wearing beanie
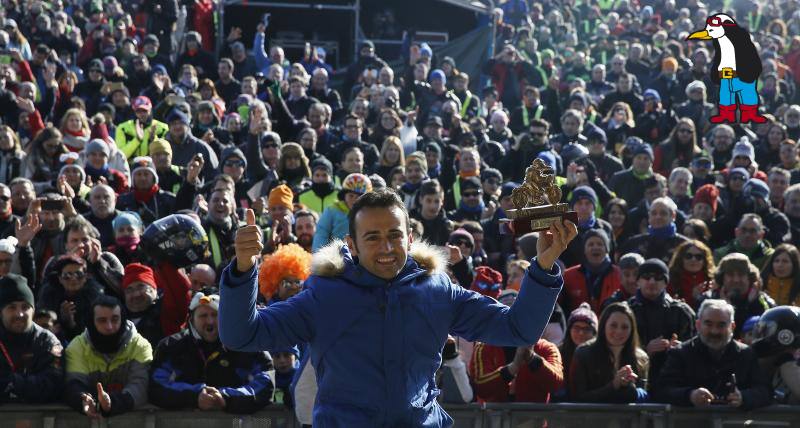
[(658, 119), (487, 282), (415, 174), (33, 373), (596, 278), (705, 202), (128, 230), (662, 237), (195, 55), (629, 274), (183, 378), (624, 93), (186, 146), (90, 89), (89, 388), (581, 328), (629, 184), (170, 177), (134, 136), (667, 83), (756, 192), (430, 95), (491, 180), (74, 176), (606, 164), (585, 202), (333, 223), (208, 127), (662, 321), (293, 167), (143, 302), (696, 107), (471, 206), (96, 156), (461, 263), (322, 193), (146, 197)]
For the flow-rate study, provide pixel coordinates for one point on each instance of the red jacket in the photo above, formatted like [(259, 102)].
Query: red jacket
[(682, 286), (534, 382), (575, 291), (175, 286)]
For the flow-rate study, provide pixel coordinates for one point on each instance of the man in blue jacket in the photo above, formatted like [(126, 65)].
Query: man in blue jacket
[(376, 313)]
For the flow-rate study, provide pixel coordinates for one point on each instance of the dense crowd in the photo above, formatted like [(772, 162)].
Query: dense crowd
[(127, 143)]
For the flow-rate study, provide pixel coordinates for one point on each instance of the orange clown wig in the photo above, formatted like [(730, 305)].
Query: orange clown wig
[(288, 261)]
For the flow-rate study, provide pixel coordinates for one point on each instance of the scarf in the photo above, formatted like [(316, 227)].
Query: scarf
[(410, 188), (588, 224), (96, 172), (145, 196), (128, 243), (472, 210), (435, 171), (322, 189), (594, 276), (108, 344), (75, 133), (293, 175), (466, 175), (665, 232)]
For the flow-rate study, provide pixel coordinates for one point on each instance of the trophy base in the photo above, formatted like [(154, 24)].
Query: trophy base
[(535, 219)]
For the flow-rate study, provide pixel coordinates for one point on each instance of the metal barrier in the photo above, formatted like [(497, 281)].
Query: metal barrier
[(512, 415)]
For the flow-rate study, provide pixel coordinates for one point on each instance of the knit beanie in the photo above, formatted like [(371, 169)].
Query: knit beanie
[(487, 281), (322, 163), (69, 162), (669, 64), (756, 188), (599, 233), (644, 148), (137, 272), (14, 288), (583, 192), (281, 196), (741, 171), (144, 163), (127, 218), (707, 194), (655, 266), (230, 152), (583, 313), (459, 235), (470, 183), (97, 145), (160, 145)]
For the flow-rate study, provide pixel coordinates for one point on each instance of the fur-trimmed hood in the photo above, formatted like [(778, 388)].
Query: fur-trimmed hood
[(331, 259)]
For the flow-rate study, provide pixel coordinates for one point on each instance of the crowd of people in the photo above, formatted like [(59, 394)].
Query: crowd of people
[(127, 143)]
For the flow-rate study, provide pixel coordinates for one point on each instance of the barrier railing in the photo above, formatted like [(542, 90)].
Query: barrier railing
[(513, 415)]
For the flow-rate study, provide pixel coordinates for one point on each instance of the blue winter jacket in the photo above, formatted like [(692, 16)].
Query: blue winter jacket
[(376, 344)]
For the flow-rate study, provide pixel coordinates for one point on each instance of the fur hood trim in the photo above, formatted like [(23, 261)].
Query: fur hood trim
[(330, 260)]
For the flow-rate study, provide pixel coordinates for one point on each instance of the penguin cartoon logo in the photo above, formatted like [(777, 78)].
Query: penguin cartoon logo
[(736, 68)]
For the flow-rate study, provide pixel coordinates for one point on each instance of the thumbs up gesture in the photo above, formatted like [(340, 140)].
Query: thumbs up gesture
[(248, 243)]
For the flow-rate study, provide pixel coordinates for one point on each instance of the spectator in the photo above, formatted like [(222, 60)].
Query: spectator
[(98, 169), (596, 278), (127, 228), (678, 149), (185, 146), (146, 198), (283, 272), (236, 382), (134, 136), (628, 184), (581, 328), (780, 275), (333, 222), (436, 225), (629, 278), (170, 176), (156, 308), (691, 271), (662, 236), (322, 192), (585, 202), (220, 224), (95, 387), (12, 157), (662, 322), (775, 222), (712, 367), (791, 207), (749, 240), (33, 354), (305, 226), (471, 205), (293, 167), (776, 358), (594, 378), (103, 201), (415, 174)]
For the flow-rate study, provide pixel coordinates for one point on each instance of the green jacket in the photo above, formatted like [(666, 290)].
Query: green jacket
[(124, 375), (130, 145), (758, 255), (315, 203)]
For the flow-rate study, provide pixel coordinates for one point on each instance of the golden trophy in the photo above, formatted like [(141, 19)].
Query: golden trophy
[(536, 201)]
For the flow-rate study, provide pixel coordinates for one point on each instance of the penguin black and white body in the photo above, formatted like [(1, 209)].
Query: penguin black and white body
[(733, 48)]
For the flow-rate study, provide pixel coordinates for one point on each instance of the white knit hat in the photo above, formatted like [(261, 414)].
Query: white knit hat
[(8, 245), (144, 162)]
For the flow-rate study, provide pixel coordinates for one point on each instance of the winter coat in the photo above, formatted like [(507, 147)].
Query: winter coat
[(576, 291), (37, 375), (591, 375), (53, 294), (691, 366), (123, 374), (333, 224), (389, 332), (161, 205), (184, 364)]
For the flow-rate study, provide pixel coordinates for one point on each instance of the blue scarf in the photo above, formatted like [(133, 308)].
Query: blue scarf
[(663, 232), (94, 172), (588, 224), (410, 188), (472, 210), (435, 171)]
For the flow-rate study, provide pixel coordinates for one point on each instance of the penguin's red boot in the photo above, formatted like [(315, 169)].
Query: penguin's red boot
[(750, 114), (726, 114)]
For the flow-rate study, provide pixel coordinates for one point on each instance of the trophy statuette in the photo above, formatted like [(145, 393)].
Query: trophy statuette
[(536, 201)]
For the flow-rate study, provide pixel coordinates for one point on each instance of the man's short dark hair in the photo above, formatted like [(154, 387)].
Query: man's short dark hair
[(472, 227), (353, 117), (80, 224), (381, 198), (430, 187), (540, 123), (306, 213), (106, 301), (227, 61)]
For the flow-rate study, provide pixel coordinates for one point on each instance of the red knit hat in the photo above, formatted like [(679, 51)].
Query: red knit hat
[(487, 281), (707, 194), (137, 272)]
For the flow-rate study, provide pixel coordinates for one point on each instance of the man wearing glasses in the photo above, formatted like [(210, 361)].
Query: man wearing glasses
[(749, 240), (662, 322), (527, 147)]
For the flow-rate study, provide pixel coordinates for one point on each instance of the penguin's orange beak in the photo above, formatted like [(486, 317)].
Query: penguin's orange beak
[(699, 35)]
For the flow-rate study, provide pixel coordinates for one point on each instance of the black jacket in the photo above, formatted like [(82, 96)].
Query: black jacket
[(183, 365), (653, 247), (691, 366), (436, 231), (38, 375), (148, 322), (161, 205), (661, 318)]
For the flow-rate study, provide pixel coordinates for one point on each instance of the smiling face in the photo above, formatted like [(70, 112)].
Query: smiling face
[(618, 329), (17, 317), (595, 251), (382, 240), (782, 265)]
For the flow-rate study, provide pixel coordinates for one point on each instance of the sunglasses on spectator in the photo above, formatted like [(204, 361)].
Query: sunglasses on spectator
[(737, 178), (5, 198), (73, 275), (471, 194), (486, 286), (697, 256), (234, 163), (269, 146), (492, 181), (655, 276)]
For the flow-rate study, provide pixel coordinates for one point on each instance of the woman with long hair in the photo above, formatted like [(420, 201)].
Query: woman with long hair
[(690, 270), (43, 164), (781, 275), (12, 157), (387, 125), (293, 167), (618, 124), (768, 150), (610, 368), (616, 213), (678, 149), (75, 129), (391, 156)]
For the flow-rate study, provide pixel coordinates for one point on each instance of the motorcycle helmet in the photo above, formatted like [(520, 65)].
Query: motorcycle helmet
[(777, 330), (177, 239)]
